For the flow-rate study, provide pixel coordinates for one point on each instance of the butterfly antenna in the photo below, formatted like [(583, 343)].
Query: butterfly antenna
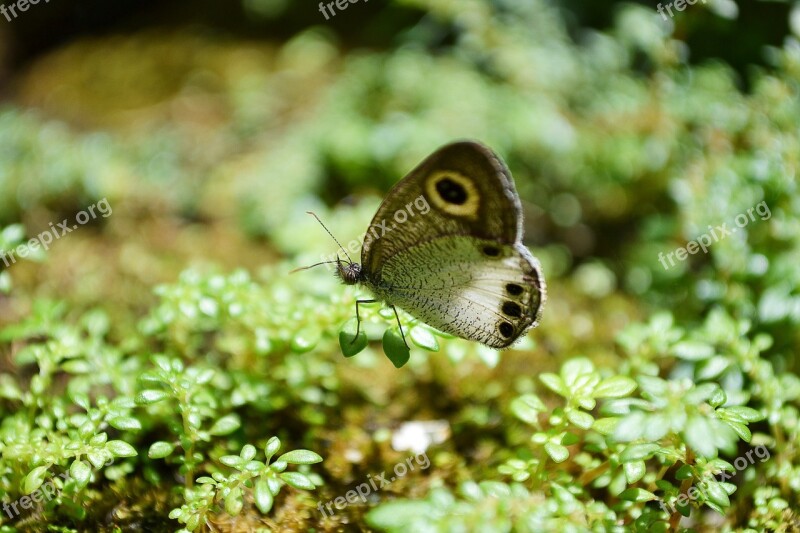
[(331, 234), (312, 266)]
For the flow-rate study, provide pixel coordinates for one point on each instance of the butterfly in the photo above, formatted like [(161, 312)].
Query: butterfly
[(446, 246)]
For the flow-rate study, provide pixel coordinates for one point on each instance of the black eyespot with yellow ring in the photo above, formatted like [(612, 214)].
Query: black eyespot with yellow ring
[(453, 194)]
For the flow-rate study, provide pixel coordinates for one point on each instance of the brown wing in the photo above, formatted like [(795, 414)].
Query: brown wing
[(461, 189)]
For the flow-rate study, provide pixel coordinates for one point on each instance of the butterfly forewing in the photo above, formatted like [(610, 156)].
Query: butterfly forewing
[(461, 189)]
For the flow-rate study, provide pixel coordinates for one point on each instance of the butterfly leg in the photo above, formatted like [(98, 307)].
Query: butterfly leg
[(358, 317), (397, 317)]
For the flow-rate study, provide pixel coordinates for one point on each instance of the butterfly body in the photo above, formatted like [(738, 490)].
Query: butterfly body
[(457, 262)]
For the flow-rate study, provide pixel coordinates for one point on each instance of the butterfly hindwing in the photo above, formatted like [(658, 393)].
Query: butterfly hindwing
[(491, 298)]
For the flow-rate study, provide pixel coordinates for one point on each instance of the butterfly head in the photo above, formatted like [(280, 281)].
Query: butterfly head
[(349, 272)]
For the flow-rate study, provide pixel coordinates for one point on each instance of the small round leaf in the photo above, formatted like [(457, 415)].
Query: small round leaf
[(160, 449), (395, 348), (300, 457)]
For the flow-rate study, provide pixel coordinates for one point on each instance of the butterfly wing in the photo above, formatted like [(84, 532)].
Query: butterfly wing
[(458, 263), (461, 189), (490, 299)]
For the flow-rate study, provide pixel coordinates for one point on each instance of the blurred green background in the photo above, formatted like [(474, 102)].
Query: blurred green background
[(211, 128)]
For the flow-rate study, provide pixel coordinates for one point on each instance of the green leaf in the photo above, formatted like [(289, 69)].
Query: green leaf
[(254, 466), (717, 494), (718, 398), (685, 509), (740, 413), (151, 376), (348, 342), (81, 400), (630, 427), (272, 447), (554, 383), (637, 495), (233, 502), (634, 471), (684, 472), (77, 366), (120, 448), (574, 370), (581, 419), (712, 367), (80, 472), (422, 337), (147, 397), (394, 348), (306, 339), (34, 479), (557, 452), (606, 426), (234, 461), (98, 439), (699, 435), (262, 496), (652, 387), (125, 423), (527, 408), (248, 452), (638, 452), (9, 388), (300, 457), (614, 387), (274, 485), (98, 458), (700, 393), (741, 430), (570, 438), (225, 425), (160, 449), (162, 362), (297, 480), (692, 350)]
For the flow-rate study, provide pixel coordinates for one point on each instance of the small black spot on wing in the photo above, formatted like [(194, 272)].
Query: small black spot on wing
[(513, 289), (512, 309), (506, 329), (451, 191)]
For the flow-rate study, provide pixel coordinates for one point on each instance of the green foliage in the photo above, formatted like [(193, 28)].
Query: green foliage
[(630, 409), (262, 478), (492, 506), (90, 405)]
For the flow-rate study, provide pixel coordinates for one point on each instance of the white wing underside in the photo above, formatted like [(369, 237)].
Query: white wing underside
[(467, 287)]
